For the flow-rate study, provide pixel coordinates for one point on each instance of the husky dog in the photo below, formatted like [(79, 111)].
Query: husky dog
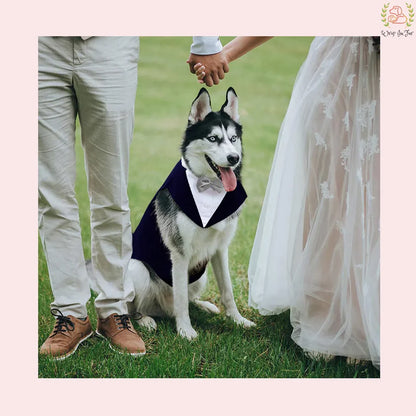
[(191, 221)]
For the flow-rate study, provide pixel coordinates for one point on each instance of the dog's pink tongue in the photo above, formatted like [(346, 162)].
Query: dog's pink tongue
[(228, 179)]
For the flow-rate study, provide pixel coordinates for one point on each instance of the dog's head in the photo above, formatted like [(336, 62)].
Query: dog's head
[(212, 143)]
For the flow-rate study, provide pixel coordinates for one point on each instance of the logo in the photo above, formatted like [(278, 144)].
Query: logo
[(396, 17)]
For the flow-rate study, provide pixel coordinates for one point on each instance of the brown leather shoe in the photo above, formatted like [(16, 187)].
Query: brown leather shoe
[(119, 332), (67, 334)]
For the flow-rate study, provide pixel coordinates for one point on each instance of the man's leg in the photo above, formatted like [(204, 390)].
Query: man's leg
[(105, 83), (59, 226)]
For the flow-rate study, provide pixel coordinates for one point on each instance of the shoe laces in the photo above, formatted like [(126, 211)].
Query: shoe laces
[(63, 323), (123, 322)]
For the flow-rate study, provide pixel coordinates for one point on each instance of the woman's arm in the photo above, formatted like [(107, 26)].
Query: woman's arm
[(240, 45), (231, 51)]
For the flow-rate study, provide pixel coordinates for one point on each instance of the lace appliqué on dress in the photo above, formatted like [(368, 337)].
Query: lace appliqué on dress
[(345, 157), (368, 148), (327, 102), (320, 141), (350, 82), (326, 194), (354, 49), (370, 196), (366, 113), (340, 227)]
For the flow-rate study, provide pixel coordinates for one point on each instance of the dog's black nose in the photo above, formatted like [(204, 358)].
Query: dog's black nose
[(233, 159)]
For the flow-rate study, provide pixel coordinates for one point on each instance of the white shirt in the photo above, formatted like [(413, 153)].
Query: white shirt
[(201, 45), (207, 202), (206, 45)]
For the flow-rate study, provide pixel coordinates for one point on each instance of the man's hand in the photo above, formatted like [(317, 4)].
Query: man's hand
[(214, 67)]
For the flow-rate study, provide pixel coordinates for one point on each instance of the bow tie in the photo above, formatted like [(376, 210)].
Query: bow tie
[(203, 183)]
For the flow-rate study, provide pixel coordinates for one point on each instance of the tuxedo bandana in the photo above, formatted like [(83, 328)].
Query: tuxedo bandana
[(205, 207)]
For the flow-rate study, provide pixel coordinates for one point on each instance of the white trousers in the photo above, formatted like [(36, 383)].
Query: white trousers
[(96, 80)]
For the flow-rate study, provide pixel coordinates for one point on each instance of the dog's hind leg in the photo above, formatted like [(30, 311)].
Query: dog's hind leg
[(143, 320), (220, 266), (138, 276), (147, 322), (206, 306), (195, 290)]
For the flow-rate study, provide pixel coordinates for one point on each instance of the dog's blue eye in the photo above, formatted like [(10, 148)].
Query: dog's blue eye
[(233, 139), (212, 139)]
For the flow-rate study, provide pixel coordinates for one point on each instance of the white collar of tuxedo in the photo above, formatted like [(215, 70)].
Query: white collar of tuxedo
[(208, 201)]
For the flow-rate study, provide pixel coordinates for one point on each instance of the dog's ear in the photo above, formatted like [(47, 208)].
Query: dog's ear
[(230, 106), (201, 106)]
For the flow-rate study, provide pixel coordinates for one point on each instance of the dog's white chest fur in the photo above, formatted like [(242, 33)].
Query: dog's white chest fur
[(202, 243)]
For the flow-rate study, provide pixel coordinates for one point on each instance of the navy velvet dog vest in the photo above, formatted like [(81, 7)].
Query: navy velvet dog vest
[(148, 246)]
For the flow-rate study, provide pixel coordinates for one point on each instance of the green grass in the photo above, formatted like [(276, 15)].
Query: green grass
[(263, 80)]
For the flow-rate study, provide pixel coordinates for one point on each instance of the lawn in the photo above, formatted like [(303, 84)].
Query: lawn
[(263, 80)]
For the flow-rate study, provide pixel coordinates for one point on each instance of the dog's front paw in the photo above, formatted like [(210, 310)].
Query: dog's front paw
[(187, 332)]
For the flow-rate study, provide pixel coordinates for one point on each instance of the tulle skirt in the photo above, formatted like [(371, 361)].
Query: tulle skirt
[(317, 246)]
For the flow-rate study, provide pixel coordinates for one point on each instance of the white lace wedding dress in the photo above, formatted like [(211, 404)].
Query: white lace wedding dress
[(317, 244)]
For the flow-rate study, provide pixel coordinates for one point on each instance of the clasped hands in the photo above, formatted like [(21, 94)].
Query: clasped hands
[(209, 69)]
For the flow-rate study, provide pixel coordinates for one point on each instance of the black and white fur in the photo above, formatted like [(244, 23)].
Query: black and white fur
[(216, 135)]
